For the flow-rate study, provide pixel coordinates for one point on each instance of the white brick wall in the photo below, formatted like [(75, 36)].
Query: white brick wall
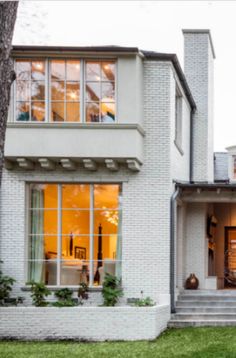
[(198, 67), (83, 323), (145, 222), (195, 242)]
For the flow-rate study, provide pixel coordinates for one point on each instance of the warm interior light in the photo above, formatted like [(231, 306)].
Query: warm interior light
[(77, 66), (73, 95), (106, 67), (39, 66)]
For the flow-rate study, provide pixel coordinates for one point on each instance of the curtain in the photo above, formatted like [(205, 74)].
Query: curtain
[(119, 240), (36, 271)]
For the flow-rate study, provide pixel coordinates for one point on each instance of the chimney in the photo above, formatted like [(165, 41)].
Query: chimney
[(199, 71)]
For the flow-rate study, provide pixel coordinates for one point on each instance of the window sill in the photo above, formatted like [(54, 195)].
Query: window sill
[(26, 288), (178, 146), (80, 125)]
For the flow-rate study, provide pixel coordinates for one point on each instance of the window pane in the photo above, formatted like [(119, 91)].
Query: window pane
[(108, 112), (107, 245), (57, 90), (38, 70), (22, 90), (73, 112), (93, 71), (106, 266), (74, 273), (23, 68), (75, 247), (38, 90), (92, 112), (76, 196), (72, 91), (42, 259), (22, 111), (93, 91), (108, 71), (49, 196), (57, 69), (106, 196), (43, 221), (38, 111), (75, 222), (73, 70), (57, 112), (107, 221), (108, 91)]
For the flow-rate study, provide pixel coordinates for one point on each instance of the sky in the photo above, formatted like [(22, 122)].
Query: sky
[(150, 25)]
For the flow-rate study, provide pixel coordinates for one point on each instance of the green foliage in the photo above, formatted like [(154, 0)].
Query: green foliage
[(83, 291), (6, 283), (111, 290), (142, 302), (64, 294), (65, 299), (38, 293)]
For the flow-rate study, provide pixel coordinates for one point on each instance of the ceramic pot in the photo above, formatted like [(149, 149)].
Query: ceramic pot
[(192, 282)]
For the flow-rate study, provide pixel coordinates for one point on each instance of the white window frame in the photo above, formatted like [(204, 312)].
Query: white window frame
[(59, 234), (48, 90), (178, 119)]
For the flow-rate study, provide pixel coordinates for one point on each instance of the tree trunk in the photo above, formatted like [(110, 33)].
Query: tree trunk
[(8, 11)]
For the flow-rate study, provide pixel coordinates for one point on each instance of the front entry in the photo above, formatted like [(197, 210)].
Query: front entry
[(230, 257)]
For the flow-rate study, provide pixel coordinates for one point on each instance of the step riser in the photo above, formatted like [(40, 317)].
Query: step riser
[(205, 303), (175, 324), (209, 292), (206, 310), (206, 298), (204, 316)]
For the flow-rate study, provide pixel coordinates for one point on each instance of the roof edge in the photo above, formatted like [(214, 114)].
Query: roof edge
[(174, 59), (118, 49)]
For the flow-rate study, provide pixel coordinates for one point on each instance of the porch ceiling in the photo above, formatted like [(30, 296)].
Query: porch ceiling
[(207, 192)]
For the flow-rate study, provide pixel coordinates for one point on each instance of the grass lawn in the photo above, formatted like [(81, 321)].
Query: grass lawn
[(189, 342)]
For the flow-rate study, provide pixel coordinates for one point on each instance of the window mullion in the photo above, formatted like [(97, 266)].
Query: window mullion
[(91, 237), (59, 234), (47, 79), (82, 91)]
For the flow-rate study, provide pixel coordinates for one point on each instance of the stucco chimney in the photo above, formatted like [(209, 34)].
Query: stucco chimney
[(199, 70)]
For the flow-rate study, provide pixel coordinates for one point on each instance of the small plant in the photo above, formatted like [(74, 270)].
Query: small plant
[(6, 283), (142, 302), (83, 291), (111, 290), (38, 293), (65, 299)]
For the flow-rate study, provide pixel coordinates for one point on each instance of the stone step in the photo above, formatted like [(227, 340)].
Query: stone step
[(206, 309), (225, 292), (205, 323), (203, 303), (206, 298), (203, 316)]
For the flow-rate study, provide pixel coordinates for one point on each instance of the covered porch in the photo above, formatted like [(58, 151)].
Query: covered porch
[(205, 240)]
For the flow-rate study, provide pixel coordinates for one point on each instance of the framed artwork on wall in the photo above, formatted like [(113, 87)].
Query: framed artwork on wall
[(80, 253)]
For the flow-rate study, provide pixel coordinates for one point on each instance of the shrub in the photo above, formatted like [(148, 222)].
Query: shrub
[(65, 299), (38, 293), (6, 283), (111, 290), (142, 302)]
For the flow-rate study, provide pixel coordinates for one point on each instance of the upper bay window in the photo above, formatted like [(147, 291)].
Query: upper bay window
[(64, 90)]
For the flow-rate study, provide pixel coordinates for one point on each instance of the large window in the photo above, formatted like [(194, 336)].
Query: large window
[(64, 90), (75, 233)]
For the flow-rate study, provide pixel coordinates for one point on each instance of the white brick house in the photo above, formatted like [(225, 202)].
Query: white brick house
[(109, 167)]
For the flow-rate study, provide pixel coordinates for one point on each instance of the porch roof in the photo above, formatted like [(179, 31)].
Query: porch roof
[(207, 192)]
